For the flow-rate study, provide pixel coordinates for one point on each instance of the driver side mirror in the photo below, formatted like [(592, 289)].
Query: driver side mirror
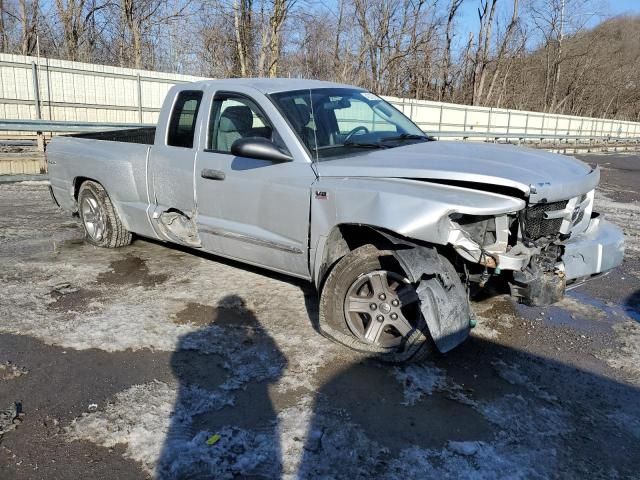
[(260, 149)]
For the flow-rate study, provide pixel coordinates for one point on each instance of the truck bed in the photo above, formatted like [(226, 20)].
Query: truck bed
[(144, 135)]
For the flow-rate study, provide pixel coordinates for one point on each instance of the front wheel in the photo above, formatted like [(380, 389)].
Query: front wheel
[(369, 305)]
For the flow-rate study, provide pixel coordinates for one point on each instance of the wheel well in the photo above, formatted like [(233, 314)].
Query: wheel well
[(77, 183), (347, 237), (344, 239)]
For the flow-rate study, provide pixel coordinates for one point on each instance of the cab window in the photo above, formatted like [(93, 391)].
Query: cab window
[(182, 124), (234, 117)]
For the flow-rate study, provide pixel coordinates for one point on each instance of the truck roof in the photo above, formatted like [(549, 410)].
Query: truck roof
[(273, 85)]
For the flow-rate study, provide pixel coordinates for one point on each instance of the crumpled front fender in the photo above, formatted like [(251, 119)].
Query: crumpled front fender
[(410, 208), (445, 308)]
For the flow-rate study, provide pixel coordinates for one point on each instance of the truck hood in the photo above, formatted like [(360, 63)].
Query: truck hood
[(537, 174)]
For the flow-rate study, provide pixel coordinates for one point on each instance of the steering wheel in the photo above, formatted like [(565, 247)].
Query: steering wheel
[(354, 131)]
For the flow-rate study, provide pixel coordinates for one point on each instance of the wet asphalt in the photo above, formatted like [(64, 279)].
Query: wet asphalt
[(572, 360)]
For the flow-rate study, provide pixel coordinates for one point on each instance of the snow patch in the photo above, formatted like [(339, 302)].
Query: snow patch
[(513, 374), (626, 357), (34, 183), (115, 315), (625, 215), (418, 381), (9, 371)]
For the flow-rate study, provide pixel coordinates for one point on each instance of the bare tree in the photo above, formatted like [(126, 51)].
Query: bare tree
[(546, 59), (78, 24), (486, 14), (139, 19), (446, 80), (4, 40), (29, 12), (503, 60), (243, 25), (280, 10)]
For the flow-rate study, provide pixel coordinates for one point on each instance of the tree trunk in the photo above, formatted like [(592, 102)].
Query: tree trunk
[(486, 16), (3, 31), (276, 22), (445, 82), (29, 12), (243, 34)]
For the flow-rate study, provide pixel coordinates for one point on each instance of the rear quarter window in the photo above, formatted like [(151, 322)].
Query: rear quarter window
[(182, 124)]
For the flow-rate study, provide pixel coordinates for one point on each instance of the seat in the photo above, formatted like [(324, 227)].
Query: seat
[(300, 115), (235, 123)]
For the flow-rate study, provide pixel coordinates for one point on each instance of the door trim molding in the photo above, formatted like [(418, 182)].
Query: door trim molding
[(241, 237)]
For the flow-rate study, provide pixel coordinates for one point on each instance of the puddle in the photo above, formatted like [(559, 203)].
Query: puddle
[(196, 314), (580, 312), (72, 300), (632, 306), (131, 270), (223, 316)]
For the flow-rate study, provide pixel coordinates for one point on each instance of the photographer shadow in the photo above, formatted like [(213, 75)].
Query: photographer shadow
[(214, 421)]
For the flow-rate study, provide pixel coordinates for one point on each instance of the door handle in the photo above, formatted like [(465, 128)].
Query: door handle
[(211, 174)]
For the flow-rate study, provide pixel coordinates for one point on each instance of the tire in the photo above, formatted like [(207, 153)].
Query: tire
[(338, 322), (102, 226)]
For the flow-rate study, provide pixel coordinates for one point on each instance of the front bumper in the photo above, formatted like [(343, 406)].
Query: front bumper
[(598, 249)]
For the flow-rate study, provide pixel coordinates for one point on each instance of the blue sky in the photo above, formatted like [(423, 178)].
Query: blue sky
[(468, 20), (624, 6)]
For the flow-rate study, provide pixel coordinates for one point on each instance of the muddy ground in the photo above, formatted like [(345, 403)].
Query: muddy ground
[(127, 363)]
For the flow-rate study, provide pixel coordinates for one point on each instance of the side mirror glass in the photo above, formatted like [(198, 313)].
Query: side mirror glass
[(259, 148)]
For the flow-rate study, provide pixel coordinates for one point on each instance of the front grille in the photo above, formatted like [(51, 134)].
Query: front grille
[(536, 226)]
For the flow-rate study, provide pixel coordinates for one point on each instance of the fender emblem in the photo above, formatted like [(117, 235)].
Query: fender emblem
[(321, 195)]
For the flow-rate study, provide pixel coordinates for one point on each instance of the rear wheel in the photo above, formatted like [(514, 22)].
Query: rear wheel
[(101, 223), (369, 305)]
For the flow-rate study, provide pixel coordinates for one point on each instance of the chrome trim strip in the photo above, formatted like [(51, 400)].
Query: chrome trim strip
[(241, 237)]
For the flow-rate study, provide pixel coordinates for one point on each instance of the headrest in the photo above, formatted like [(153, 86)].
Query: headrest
[(236, 119), (303, 112)]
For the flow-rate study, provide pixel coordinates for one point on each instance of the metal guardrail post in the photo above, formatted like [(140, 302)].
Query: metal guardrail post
[(139, 99), (36, 100)]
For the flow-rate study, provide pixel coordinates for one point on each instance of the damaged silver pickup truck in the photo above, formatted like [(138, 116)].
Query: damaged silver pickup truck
[(332, 184)]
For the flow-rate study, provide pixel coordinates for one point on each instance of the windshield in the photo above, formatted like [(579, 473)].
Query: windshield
[(334, 122)]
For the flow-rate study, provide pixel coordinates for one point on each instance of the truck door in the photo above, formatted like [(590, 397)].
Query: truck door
[(172, 163), (258, 210)]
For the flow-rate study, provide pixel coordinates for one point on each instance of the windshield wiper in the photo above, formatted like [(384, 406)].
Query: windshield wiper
[(406, 136), (380, 142), (363, 145)]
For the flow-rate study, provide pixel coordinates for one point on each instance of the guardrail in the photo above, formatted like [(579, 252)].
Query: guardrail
[(61, 126), (64, 126), (523, 137), (435, 116)]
